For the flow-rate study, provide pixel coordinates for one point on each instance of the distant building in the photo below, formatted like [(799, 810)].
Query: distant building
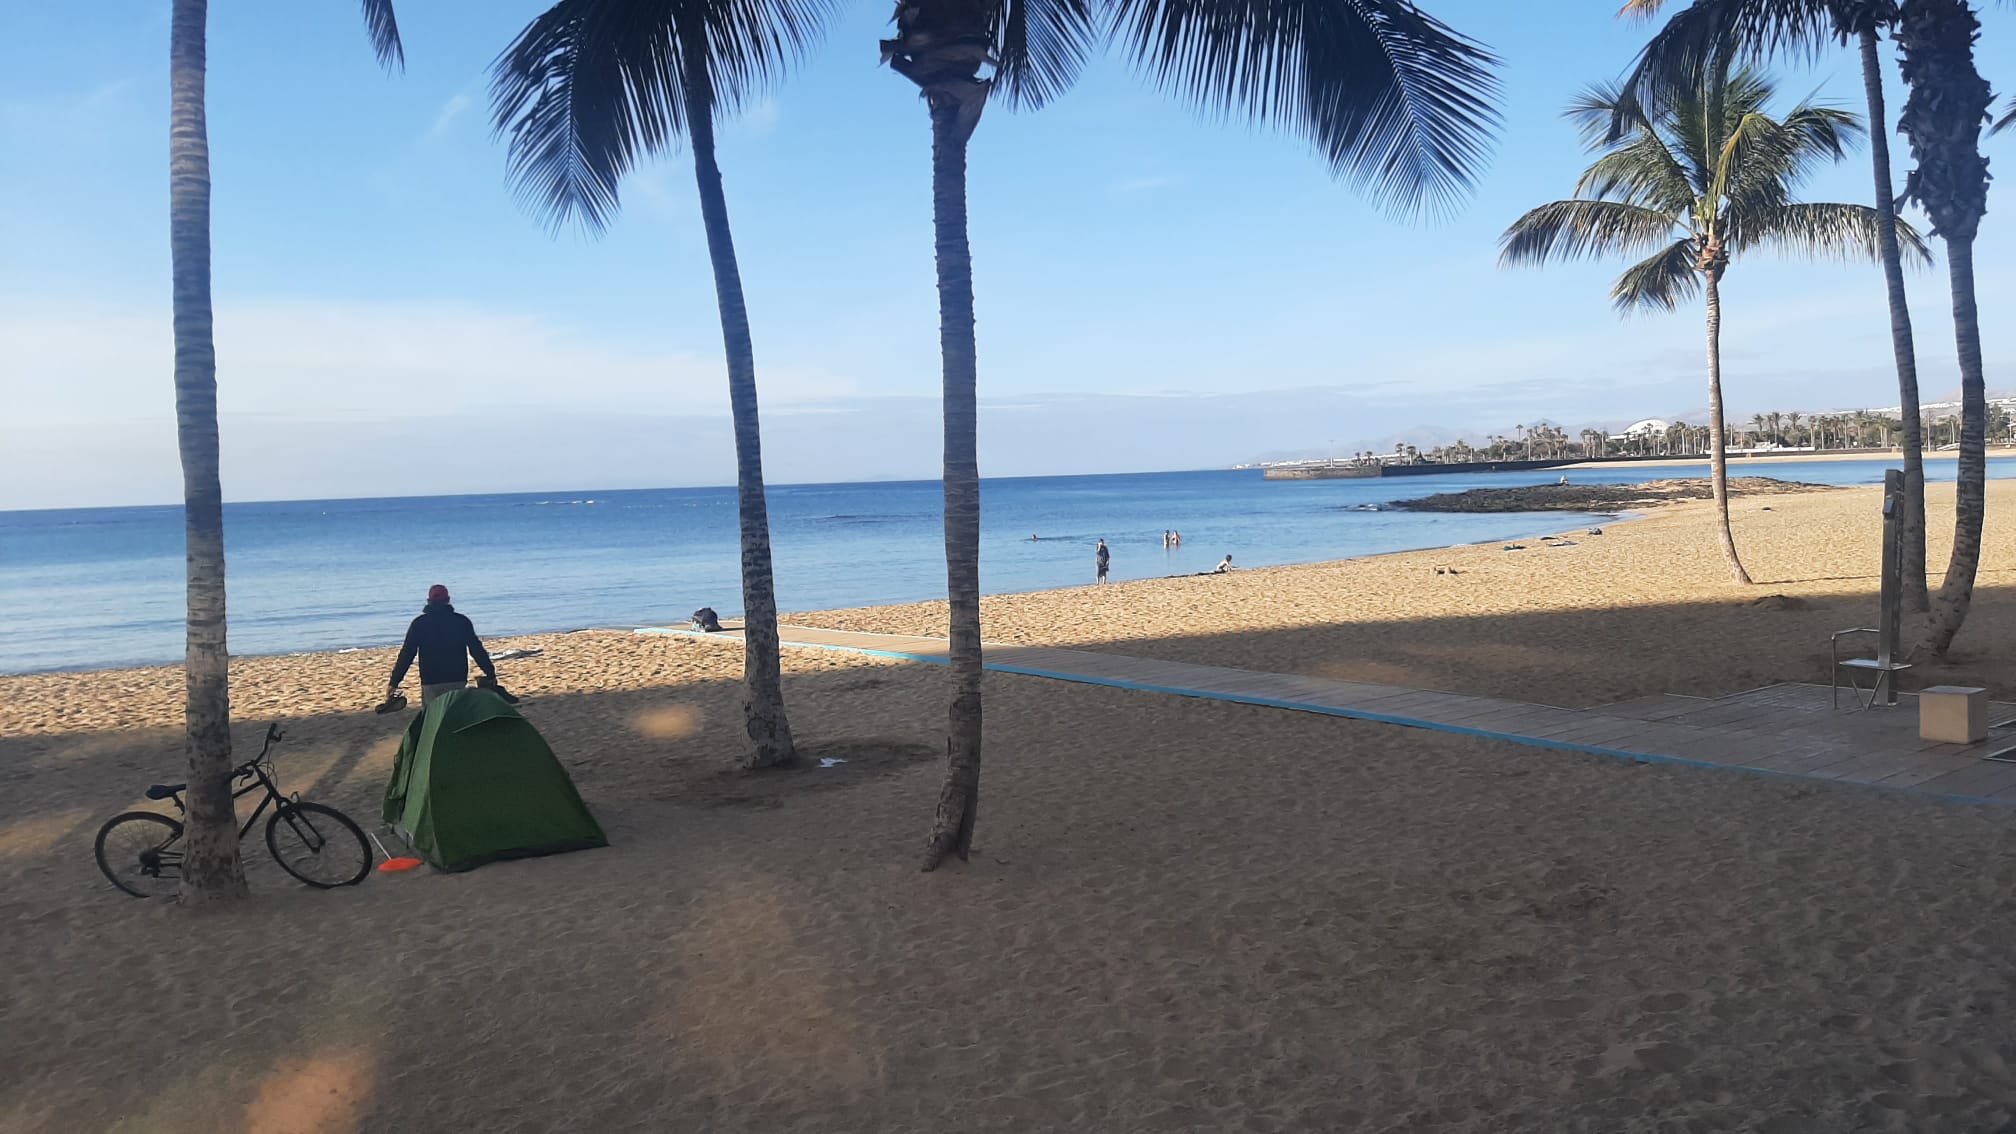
[(1650, 427)]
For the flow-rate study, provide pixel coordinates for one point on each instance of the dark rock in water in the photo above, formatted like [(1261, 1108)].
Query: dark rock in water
[(1594, 497), (706, 620)]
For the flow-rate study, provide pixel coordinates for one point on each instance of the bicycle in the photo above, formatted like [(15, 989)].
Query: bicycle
[(139, 851)]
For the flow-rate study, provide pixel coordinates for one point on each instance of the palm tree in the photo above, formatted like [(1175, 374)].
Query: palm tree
[(1708, 177), (1942, 117), (211, 869), (587, 90), (1755, 29), (1396, 101)]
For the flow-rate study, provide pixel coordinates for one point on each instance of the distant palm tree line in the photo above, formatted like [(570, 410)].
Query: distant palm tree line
[(1860, 430)]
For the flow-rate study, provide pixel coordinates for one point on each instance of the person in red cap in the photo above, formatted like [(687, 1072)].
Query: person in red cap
[(444, 641)]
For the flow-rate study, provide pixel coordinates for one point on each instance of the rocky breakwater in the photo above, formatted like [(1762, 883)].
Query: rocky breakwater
[(1595, 497)]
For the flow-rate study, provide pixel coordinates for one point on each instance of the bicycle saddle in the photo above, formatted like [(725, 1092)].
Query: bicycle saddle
[(164, 791)]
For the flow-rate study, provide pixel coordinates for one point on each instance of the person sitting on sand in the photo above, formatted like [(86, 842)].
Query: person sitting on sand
[(1223, 567), (1102, 559), (444, 642)]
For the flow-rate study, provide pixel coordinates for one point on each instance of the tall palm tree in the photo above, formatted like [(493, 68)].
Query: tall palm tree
[(1395, 100), (587, 90), (1707, 176), (1709, 30), (1943, 116), (211, 869)]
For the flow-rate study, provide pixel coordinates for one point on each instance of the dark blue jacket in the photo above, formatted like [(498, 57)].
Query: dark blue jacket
[(445, 641)]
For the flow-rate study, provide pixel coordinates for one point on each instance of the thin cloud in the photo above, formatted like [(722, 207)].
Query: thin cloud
[(450, 111), (92, 363), (72, 111), (1132, 185), (758, 120)]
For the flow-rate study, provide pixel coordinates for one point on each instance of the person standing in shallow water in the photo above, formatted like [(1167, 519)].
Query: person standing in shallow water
[(1102, 559), (444, 641)]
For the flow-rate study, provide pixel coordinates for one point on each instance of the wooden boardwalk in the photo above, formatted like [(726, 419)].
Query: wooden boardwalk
[(1784, 730)]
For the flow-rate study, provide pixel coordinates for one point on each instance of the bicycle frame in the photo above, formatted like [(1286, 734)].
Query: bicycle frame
[(261, 780), (257, 769)]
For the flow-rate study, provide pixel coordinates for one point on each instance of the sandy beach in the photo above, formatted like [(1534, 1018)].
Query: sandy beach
[(1644, 608), (1182, 915)]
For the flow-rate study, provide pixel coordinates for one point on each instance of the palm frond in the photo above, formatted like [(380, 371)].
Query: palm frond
[(751, 43), (1579, 229), (383, 26), (2007, 120), (1660, 281), (1708, 35), (1400, 104), (1594, 108), (590, 87), (1639, 171), (1824, 132), (1765, 159), (1041, 46), (1824, 231)]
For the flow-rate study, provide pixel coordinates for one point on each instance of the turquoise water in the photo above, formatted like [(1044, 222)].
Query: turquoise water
[(103, 587)]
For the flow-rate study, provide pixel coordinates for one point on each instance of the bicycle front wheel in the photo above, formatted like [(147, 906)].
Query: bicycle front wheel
[(319, 845), (141, 852)]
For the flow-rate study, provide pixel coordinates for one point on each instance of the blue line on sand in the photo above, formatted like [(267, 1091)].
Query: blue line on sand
[(1351, 714)]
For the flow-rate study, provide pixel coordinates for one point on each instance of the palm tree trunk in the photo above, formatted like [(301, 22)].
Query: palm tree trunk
[(211, 869), (1956, 594), (1949, 101), (1718, 455), (769, 731), (1912, 534), (952, 120)]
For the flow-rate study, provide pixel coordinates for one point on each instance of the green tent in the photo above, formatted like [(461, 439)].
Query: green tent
[(475, 782)]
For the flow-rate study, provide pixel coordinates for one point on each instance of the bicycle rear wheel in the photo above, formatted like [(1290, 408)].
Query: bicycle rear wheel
[(140, 852), (319, 845)]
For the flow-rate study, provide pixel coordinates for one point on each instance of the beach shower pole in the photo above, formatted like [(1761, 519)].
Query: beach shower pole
[(1893, 581)]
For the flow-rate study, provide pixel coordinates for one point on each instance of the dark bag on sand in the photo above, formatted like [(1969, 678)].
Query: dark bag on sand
[(706, 620), (491, 684)]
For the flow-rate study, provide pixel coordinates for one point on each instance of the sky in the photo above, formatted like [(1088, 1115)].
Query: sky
[(1156, 288)]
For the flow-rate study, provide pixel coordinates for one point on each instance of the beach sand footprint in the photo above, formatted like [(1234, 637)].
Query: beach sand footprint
[(1664, 1002)]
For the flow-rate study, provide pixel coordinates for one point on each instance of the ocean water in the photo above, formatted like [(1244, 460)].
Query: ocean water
[(103, 587)]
